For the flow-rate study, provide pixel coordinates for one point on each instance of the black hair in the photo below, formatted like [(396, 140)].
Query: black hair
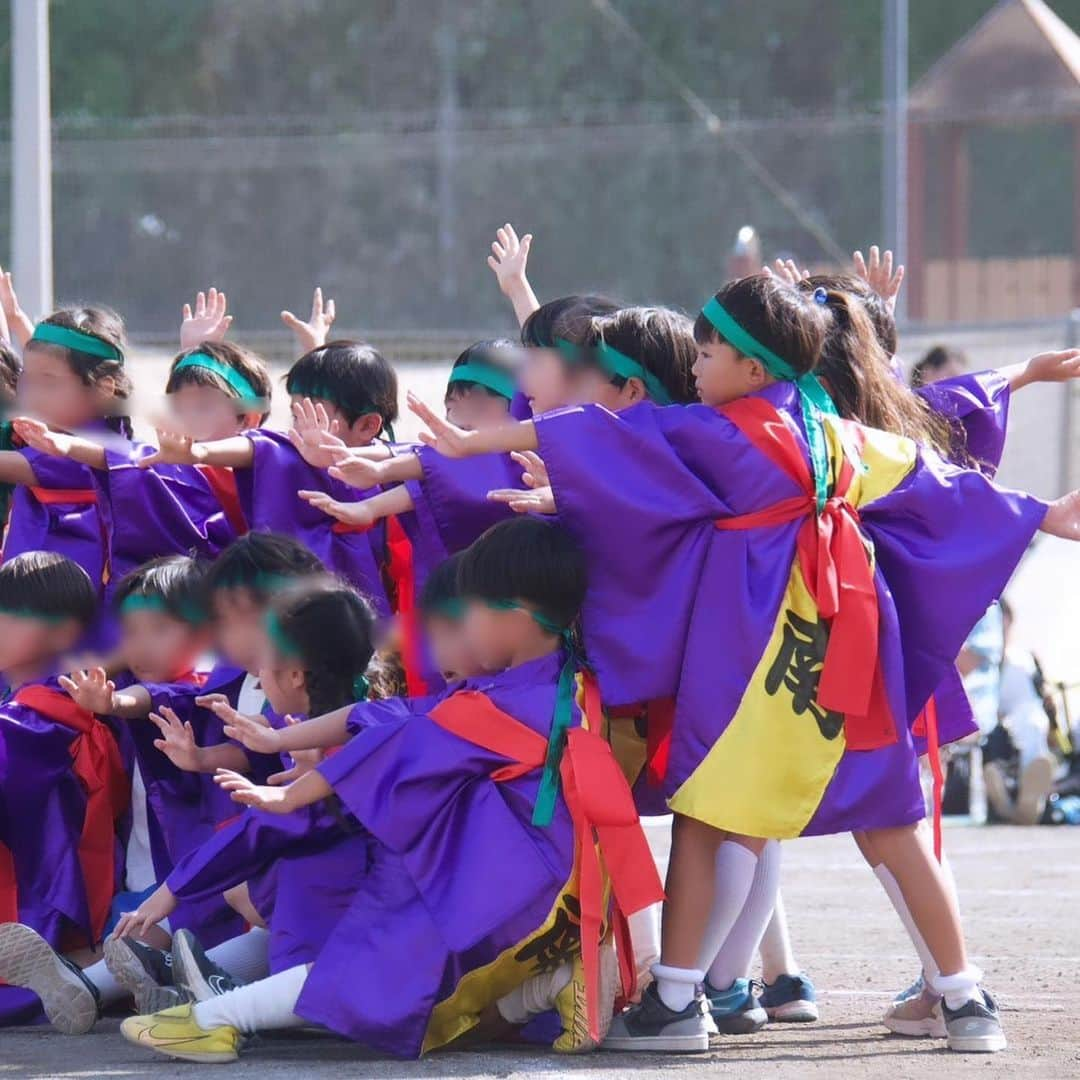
[(441, 588), (501, 354), (245, 363), (526, 559), (568, 317), (45, 584), (106, 325), (260, 562), (331, 626), (935, 359), (355, 377), (781, 317), (659, 339), (10, 369), (881, 317), (175, 580)]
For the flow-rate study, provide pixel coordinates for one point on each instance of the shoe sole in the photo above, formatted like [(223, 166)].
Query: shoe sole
[(27, 960), (917, 1029), (125, 967), (793, 1012), (132, 1036), (669, 1044), (978, 1044), (186, 974)]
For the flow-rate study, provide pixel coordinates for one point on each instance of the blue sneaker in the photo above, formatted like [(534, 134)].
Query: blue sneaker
[(736, 1011), (790, 1000)]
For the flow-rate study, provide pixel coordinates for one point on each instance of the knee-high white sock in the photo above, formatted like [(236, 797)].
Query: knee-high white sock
[(534, 996), (896, 896), (262, 1006), (245, 957), (776, 956), (109, 990), (735, 869), (737, 951)]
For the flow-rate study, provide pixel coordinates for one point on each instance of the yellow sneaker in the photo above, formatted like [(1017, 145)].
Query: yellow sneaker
[(573, 1010), (175, 1034)]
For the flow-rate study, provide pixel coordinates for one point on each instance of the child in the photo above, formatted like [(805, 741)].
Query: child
[(779, 325), (73, 379), (63, 792), (421, 783), (482, 383)]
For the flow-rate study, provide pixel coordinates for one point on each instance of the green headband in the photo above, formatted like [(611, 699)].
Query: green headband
[(815, 400), (617, 365), (546, 794), (276, 632), (231, 377), (498, 381), (50, 334), (27, 613), (453, 608), (143, 602)]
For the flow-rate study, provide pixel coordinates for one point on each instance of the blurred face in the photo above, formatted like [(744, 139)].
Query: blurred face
[(27, 642), (157, 647), (952, 367), (721, 374), (547, 381), (450, 648), (51, 391), (238, 627), (474, 409), (593, 387), (206, 413), (282, 680), (490, 636), (363, 431)]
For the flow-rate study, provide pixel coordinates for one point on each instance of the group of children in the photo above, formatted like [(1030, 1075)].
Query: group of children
[(318, 727)]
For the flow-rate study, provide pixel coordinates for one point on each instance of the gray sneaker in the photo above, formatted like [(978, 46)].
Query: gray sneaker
[(145, 972), (69, 998), (974, 1028), (194, 973), (652, 1026)]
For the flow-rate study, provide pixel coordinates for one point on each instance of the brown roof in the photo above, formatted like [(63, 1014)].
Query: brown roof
[(1019, 60)]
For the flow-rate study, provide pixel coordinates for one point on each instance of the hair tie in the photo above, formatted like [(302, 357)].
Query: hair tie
[(821, 296), (361, 687)]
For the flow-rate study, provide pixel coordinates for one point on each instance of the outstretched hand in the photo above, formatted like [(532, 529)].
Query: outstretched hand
[(356, 514), (174, 448), (208, 321), (244, 791), (539, 500), (39, 436), (1052, 366), (177, 740), (156, 908), (878, 273), (92, 690), (1063, 517), (535, 474), (509, 259), (20, 325), (253, 732), (313, 333), (786, 270), (446, 438), (314, 434)]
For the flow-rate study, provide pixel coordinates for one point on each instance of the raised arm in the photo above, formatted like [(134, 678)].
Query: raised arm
[(508, 260), (1044, 367)]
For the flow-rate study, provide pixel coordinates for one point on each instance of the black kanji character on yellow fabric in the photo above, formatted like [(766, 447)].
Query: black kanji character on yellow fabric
[(551, 949), (797, 667)]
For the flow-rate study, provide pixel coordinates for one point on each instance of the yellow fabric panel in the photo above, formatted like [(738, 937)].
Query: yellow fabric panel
[(767, 772), (882, 460)]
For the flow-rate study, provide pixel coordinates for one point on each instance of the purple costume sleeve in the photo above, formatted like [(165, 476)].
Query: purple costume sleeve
[(367, 714), (978, 405), (268, 494)]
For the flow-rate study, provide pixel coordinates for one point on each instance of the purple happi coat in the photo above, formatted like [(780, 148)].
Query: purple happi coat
[(678, 607)]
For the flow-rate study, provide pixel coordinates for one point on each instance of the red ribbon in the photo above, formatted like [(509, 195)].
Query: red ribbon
[(402, 571), (222, 482), (837, 569), (69, 496), (926, 723), (602, 810), (96, 761)]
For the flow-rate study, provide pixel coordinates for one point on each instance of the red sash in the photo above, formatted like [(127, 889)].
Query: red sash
[(402, 571), (97, 763), (838, 574), (926, 723), (602, 810), (72, 496), (222, 482)]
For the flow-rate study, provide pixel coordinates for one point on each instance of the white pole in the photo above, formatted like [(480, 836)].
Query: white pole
[(894, 171), (31, 157)]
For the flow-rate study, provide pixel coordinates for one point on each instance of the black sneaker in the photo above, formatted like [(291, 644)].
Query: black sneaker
[(145, 972), (195, 973), (974, 1028), (652, 1026), (69, 998), (736, 1011)]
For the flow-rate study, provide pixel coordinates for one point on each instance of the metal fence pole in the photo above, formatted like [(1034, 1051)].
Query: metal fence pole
[(1068, 479)]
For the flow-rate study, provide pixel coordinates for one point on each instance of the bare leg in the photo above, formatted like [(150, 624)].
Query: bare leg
[(240, 901)]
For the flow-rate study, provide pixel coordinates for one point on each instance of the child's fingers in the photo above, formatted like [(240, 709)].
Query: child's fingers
[(204, 701), (493, 262), (68, 685), (526, 243), (860, 263), (498, 251), (150, 459), (316, 303), (504, 495), (290, 320), (280, 778), (330, 314)]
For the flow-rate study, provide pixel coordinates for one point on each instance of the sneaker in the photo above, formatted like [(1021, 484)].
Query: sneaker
[(69, 998), (194, 973), (145, 972), (913, 991), (918, 1015), (974, 1028), (736, 1011), (573, 1009), (651, 1026), (790, 1000), (175, 1034)]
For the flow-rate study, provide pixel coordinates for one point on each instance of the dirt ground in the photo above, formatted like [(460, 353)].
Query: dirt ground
[(1019, 890)]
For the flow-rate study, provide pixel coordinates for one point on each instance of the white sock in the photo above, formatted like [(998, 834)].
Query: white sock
[(109, 990), (245, 957), (735, 869), (776, 956), (959, 989), (534, 996), (677, 987), (737, 952), (896, 895), (262, 1006)]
